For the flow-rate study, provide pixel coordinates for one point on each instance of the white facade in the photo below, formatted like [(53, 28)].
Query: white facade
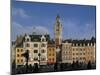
[(37, 50), (66, 53), (43, 51)]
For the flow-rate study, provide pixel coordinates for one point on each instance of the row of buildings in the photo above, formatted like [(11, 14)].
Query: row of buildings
[(44, 50)]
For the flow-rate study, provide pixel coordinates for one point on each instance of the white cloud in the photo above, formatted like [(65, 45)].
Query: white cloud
[(76, 29), (19, 12), (40, 30), (18, 29)]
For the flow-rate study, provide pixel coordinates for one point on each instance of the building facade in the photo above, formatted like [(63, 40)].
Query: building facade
[(66, 52), (51, 53), (42, 52), (82, 51), (37, 46), (19, 60)]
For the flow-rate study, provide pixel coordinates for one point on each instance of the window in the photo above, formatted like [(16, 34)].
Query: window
[(35, 51), (35, 45), (50, 49), (76, 53), (21, 50), (17, 50), (84, 58), (27, 45), (21, 60), (50, 54), (80, 49), (80, 53), (43, 45), (53, 49), (18, 60), (35, 58), (53, 54), (52, 59), (73, 53), (83, 53), (43, 39), (43, 51), (42, 59), (27, 39), (17, 55), (49, 59), (21, 55)]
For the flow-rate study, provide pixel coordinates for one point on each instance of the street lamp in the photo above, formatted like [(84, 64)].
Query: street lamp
[(39, 58), (26, 55)]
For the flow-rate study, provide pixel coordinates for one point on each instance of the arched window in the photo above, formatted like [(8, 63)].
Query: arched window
[(27, 45), (43, 40), (36, 58), (27, 40), (43, 59), (43, 51), (43, 45)]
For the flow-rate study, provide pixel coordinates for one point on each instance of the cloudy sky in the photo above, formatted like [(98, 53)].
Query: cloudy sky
[(78, 21)]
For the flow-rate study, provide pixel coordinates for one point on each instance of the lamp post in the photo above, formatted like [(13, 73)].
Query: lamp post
[(39, 58), (56, 67)]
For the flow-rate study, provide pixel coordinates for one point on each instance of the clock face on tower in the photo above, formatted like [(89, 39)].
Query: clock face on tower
[(57, 29)]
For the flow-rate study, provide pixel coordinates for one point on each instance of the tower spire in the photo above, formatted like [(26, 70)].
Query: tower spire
[(58, 18), (58, 31)]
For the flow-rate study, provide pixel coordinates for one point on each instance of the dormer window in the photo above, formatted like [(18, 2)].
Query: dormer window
[(27, 39), (43, 39)]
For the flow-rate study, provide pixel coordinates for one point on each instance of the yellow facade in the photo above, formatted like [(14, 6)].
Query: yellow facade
[(19, 57), (51, 54), (81, 53), (84, 53)]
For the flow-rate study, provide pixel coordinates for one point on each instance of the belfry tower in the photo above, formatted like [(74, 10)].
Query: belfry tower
[(58, 31)]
